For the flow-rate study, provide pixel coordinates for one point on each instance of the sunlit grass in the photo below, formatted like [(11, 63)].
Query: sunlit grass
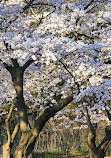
[(81, 151), (47, 154)]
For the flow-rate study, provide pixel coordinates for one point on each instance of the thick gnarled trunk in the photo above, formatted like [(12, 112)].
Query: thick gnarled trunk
[(94, 153), (29, 135), (100, 151), (26, 145), (6, 151)]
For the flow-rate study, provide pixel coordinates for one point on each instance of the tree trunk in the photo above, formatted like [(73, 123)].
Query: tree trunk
[(26, 145), (100, 151), (96, 154), (6, 151), (29, 136)]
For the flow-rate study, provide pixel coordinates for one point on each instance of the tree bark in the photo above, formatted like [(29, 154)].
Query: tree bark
[(6, 151), (100, 151), (29, 136), (6, 147), (97, 154), (26, 145)]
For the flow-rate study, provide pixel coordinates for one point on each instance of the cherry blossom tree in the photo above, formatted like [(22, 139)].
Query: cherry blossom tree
[(52, 53)]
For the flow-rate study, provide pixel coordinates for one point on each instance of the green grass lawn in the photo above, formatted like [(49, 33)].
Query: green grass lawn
[(59, 154), (47, 154)]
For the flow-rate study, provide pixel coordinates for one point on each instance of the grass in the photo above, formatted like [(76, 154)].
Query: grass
[(59, 154), (81, 151), (47, 154)]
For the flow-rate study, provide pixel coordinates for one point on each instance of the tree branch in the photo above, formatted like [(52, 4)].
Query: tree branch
[(107, 114), (7, 67), (15, 18), (70, 74), (50, 112), (7, 125), (28, 5), (8, 132), (10, 112), (109, 61), (27, 64), (91, 134), (106, 140), (14, 132), (40, 20), (77, 20), (90, 126), (65, 67), (88, 4), (15, 63), (43, 3)]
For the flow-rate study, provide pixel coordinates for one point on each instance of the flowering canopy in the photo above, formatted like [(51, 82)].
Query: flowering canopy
[(69, 43)]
